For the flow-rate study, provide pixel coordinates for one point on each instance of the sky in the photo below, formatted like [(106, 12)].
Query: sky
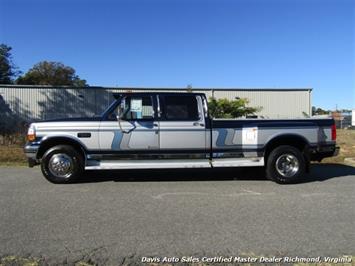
[(202, 43)]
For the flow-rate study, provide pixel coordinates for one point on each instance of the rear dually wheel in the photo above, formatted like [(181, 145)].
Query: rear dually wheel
[(285, 164)]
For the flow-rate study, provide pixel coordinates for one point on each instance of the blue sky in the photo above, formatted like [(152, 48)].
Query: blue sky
[(173, 43)]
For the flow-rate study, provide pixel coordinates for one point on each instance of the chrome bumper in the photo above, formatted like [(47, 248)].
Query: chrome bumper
[(31, 150), (31, 154)]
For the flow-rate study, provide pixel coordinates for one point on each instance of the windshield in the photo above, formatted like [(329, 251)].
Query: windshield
[(111, 106)]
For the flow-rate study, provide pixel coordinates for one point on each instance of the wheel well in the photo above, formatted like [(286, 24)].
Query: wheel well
[(47, 144), (291, 140)]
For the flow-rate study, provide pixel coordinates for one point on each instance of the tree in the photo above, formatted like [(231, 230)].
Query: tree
[(51, 73), (224, 108), (8, 71), (319, 111)]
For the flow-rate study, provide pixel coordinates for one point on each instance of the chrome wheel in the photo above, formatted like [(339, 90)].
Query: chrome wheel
[(61, 165), (287, 165)]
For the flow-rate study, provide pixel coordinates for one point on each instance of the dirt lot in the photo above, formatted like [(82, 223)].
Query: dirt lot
[(13, 154)]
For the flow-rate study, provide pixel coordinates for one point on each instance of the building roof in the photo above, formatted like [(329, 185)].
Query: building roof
[(152, 88)]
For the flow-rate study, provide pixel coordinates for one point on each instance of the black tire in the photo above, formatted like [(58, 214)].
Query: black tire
[(285, 165), (62, 155)]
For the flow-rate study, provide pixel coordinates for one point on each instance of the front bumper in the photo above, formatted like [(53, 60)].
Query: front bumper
[(31, 153)]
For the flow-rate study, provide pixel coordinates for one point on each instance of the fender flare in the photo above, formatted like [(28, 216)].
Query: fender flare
[(285, 138), (50, 141)]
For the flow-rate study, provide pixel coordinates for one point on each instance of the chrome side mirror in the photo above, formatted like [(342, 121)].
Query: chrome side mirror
[(120, 109)]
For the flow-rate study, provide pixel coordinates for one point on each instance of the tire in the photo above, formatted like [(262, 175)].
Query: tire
[(285, 165), (62, 164)]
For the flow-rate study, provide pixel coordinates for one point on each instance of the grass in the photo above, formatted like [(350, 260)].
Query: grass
[(12, 155), (14, 260), (32, 261), (346, 141)]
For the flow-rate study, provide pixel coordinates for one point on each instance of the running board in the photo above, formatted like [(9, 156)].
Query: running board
[(238, 162), (146, 164), (160, 164)]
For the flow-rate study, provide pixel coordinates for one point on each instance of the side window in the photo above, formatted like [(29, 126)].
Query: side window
[(181, 108), (136, 108)]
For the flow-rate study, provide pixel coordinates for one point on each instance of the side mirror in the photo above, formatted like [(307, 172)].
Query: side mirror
[(119, 114), (120, 109)]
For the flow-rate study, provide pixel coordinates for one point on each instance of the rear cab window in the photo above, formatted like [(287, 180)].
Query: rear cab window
[(180, 108)]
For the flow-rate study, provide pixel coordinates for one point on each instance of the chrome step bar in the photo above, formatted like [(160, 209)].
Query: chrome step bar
[(164, 164), (146, 164), (238, 162)]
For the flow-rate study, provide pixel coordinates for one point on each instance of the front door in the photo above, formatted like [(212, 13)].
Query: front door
[(182, 126), (135, 132)]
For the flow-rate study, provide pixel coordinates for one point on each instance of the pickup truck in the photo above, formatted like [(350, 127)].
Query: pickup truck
[(175, 130)]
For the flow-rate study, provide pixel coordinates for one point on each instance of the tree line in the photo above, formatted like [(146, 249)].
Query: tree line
[(42, 73), (12, 125)]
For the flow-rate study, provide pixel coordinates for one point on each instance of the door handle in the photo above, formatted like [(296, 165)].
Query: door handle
[(155, 124), (198, 124), (84, 135)]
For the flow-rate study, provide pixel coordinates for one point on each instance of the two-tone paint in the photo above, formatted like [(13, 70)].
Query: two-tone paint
[(205, 141)]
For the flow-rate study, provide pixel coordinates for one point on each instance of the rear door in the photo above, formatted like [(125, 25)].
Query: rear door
[(182, 131)]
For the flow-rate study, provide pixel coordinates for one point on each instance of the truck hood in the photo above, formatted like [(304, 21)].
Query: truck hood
[(72, 119), (67, 123)]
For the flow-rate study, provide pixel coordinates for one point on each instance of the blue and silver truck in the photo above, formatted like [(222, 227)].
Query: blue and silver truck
[(175, 130)]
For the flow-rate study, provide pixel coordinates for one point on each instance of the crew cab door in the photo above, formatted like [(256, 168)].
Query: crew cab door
[(182, 130), (137, 129)]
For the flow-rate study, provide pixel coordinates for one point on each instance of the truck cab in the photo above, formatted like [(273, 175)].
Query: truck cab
[(166, 124)]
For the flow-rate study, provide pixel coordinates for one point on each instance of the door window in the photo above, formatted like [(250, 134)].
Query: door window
[(134, 108), (181, 108)]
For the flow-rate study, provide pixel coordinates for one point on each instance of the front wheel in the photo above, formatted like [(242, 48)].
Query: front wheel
[(285, 164), (62, 164)]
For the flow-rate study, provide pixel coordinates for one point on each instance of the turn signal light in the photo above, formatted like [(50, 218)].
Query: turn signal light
[(31, 134)]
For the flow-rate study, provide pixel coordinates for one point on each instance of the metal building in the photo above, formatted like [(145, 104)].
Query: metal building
[(47, 102)]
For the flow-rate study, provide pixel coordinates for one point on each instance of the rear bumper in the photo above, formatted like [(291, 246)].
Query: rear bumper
[(31, 154), (323, 151)]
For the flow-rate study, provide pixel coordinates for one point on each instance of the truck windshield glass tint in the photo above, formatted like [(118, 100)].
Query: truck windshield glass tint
[(181, 108)]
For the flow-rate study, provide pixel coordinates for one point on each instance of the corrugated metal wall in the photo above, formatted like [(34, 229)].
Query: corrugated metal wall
[(275, 104), (36, 103), (48, 103)]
